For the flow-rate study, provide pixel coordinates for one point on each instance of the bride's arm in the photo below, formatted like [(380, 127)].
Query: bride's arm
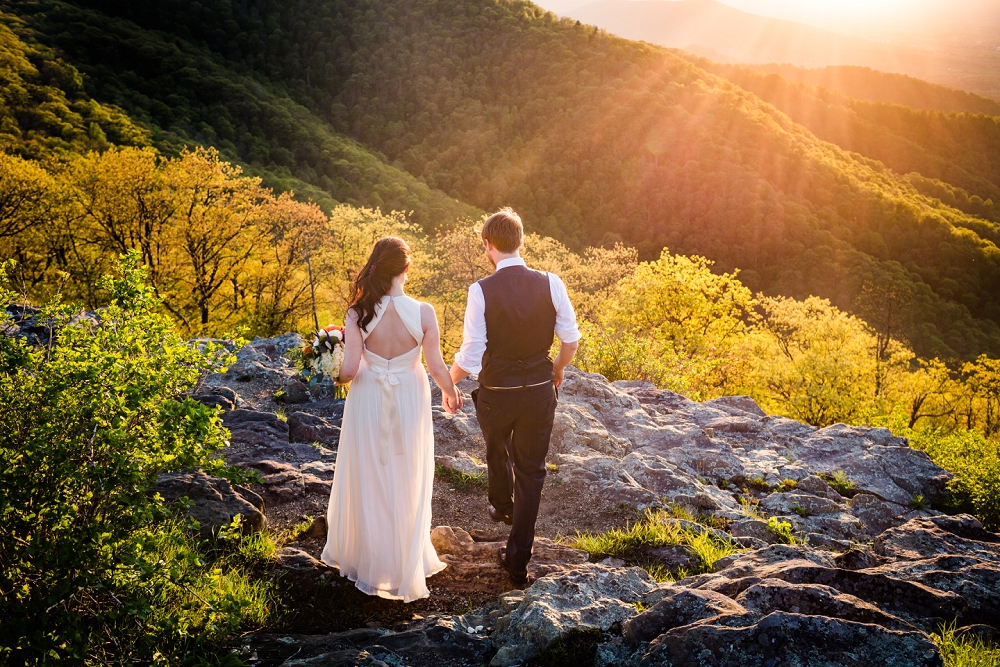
[(352, 348), (435, 362)]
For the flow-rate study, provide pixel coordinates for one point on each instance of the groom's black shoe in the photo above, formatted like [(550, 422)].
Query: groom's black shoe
[(517, 577), (499, 516)]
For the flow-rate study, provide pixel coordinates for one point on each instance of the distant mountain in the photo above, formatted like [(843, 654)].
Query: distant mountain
[(747, 37), (751, 38)]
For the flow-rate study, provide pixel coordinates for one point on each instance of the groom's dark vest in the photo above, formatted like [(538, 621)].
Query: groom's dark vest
[(520, 325)]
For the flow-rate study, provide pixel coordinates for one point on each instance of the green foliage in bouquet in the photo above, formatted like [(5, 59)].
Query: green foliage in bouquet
[(93, 567)]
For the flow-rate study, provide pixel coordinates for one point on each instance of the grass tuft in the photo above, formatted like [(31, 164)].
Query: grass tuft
[(965, 650), (460, 480), (840, 483), (657, 528), (782, 530)]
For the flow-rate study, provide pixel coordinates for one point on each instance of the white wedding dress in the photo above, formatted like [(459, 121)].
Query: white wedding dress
[(379, 518)]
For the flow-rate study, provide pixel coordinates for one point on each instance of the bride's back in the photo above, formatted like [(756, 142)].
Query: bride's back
[(390, 338)]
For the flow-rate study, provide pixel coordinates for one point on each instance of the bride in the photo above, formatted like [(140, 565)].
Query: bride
[(380, 505)]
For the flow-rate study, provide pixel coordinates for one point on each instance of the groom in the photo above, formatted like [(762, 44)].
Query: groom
[(510, 321)]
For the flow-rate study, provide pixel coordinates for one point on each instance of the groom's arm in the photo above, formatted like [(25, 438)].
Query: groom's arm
[(469, 358), (566, 329)]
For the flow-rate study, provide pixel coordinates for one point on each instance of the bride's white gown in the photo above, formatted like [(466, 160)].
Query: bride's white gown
[(379, 517)]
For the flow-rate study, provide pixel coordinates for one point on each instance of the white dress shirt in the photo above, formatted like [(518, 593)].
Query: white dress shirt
[(470, 355)]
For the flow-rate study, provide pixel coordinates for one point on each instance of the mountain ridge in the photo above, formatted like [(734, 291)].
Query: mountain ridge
[(594, 139)]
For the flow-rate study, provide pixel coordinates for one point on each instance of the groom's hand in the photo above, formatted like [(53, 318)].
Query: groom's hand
[(559, 374)]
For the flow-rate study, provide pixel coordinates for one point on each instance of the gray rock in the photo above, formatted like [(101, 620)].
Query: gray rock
[(213, 400), (675, 558), (553, 607), (678, 608), (308, 428), (877, 515), (215, 501), (753, 528), (782, 638), (462, 462), (817, 486), (782, 503), (814, 600), (296, 393)]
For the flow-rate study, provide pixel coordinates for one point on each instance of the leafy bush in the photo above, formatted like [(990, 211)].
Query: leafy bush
[(92, 565), (975, 460)]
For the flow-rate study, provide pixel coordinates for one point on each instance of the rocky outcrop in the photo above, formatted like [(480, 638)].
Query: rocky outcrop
[(214, 501), (871, 579), (632, 443)]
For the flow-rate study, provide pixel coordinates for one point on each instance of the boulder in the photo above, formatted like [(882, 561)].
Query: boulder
[(308, 428), (787, 503), (678, 608), (216, 503), (783, 638), (462, 462), (753, 528), (213, 400), (818, 486), (675, 558), (595, 598), (814, 600), (877, 515), (296, 393)]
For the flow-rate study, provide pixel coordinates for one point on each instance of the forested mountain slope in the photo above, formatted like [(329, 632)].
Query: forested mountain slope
[(175, 95), (865, 83), (593, 138), (961, 149)]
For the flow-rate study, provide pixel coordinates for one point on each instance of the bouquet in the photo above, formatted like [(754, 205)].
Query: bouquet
[(324, 356)]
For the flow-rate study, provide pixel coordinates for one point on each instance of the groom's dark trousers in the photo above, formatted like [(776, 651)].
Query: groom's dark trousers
[(517, 426)]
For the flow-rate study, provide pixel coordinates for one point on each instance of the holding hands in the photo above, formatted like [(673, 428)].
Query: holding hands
[(452, 401)]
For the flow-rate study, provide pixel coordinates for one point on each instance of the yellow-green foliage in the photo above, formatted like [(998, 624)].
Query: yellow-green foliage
[(975, 460), (676, 324)]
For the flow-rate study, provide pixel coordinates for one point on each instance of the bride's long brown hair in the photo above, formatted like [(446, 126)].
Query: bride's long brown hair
[(389, 258)]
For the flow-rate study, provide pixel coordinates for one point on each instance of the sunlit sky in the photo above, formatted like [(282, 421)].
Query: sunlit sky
[(852, 16)]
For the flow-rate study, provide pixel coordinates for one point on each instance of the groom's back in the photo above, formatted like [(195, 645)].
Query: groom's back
[(520, 326)]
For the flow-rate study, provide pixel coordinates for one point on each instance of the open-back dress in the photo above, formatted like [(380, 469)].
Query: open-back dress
[(379, 518)]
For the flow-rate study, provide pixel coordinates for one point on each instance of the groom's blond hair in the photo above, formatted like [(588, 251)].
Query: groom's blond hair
[(504, 230)]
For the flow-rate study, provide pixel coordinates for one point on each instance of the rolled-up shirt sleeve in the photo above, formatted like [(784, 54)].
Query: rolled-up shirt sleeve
[(470, 355), (566, 329)]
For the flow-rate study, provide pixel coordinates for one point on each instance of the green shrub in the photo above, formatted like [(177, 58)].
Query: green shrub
[(800, 510), (975, 460), (93, 568)]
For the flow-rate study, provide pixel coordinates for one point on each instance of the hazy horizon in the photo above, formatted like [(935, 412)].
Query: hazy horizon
[(869, 18)]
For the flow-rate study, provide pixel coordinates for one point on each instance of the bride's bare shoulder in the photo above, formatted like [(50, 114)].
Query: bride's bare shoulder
[(428, 316)]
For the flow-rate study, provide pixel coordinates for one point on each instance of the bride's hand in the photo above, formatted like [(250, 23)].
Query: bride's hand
[(452, 403)]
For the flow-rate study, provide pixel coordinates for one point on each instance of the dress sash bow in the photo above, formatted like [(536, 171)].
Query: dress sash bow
[(390, 433)]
